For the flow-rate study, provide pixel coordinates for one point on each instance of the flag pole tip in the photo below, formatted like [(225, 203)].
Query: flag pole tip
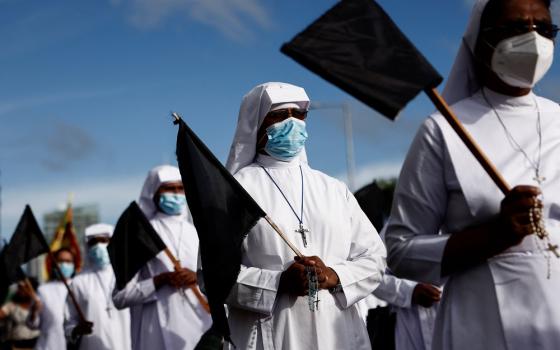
[(176, 117)]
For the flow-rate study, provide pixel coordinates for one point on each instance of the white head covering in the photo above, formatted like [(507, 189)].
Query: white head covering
[(104, 230), (254, 107), (462, 81), (156, 177)]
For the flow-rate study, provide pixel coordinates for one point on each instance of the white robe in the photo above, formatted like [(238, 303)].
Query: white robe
[(340, 234), (414, 323), (165, 319), (50, 320), (506, 303), (110, 330)]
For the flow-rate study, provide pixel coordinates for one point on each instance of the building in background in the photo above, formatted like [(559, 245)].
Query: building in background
[(83, 216)]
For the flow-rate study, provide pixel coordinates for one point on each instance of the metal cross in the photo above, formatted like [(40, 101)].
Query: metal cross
[(301, 230), (554, 249), (539, 179)]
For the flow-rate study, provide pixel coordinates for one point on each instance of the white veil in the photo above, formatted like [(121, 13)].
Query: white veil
[(254, 107)]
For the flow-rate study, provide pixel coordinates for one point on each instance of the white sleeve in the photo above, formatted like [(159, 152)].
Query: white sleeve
[(135, 292), (363, 270), (255, 290), (419, 206), (395, 291)]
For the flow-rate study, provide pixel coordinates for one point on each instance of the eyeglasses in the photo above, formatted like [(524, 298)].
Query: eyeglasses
[(548, 30), (287, 113)]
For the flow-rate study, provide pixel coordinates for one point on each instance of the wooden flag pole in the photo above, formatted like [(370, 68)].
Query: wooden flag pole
[(194, 288), (31, 289), (452, 119), (70, 292), (283, 236)]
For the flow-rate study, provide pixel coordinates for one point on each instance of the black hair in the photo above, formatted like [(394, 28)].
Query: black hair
[(63, 249)]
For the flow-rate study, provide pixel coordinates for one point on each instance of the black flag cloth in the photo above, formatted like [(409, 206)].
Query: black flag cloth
[(133, 244), (26, 243), (357, 47), (223, 213)]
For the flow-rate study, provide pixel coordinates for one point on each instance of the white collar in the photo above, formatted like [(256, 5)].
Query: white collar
[(271, 162), (505, 103)]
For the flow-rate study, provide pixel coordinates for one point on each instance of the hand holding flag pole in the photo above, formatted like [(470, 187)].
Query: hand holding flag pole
[(194, 288), (356, 46), (134, 243), (70, 292), (223, 214), (26, 243)]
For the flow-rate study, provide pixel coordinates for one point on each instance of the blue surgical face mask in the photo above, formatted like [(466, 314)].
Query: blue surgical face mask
[(98, 255), (286, 139), (172, 203), (67, 269)]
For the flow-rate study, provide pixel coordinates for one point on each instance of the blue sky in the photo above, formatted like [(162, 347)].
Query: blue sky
[(87, 87)]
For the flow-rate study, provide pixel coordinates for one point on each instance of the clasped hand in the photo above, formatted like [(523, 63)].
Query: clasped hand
[(294, 279), (515, 214), (83, 328), (182, 278)]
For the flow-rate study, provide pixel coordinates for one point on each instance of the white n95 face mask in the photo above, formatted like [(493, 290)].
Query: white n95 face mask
[(522, 60)]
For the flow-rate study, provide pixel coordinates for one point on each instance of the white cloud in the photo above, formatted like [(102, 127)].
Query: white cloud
[(366, 174), (112, 195), (230, 17)]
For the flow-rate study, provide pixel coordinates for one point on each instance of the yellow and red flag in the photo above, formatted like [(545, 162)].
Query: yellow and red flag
[(65, 237)]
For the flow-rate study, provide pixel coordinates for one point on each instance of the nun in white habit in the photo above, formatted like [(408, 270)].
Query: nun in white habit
[(49, 318), (165, 313), (107, 328), (269, 307), (502, 283)]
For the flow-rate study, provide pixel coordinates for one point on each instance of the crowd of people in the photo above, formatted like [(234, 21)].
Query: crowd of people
[(455, 265)]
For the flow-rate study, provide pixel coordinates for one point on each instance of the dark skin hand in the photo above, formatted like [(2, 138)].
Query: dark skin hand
[(473, 246), (180, 279), (294, 279), (83, 328), (425, 295)]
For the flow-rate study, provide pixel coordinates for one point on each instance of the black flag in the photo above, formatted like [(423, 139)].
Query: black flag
[(223, 213), (26, 243), (133, 244), (357, 47)]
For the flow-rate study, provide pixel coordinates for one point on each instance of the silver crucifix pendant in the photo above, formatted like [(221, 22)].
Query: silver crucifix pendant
[(302, 231), (538, 178)]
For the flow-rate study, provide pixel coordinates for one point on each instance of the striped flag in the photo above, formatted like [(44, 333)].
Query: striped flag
[(65, 237)]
